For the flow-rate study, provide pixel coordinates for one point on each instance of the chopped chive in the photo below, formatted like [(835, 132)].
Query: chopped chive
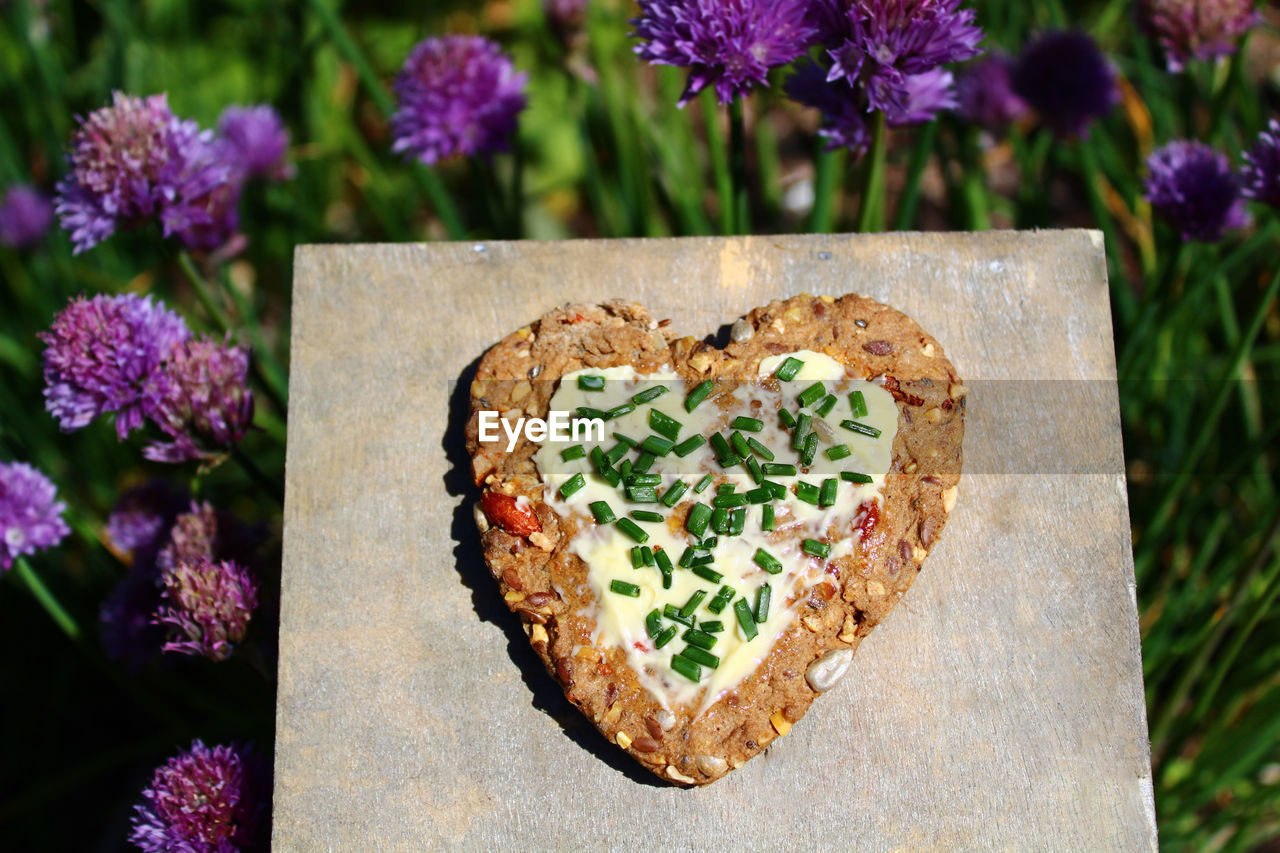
[(807, 492), (625, 439), (697, 395), (649, 394), (729, 500), (763, 595), (571, 453), (858, 404), (702, 484), (609, 475), (778, 490), (644, 479), (657, 445), (693, 602), (653, 622), (699, 516), (708, 543), (840, 451), (811, 395), (707, 574), (816, 548), (624, 468), (730, 460), (803, 420), (748, 424), (739, 442), (759, 449), (592, 414), (701, 639), (788, 369), (686, 558), (714, 626), (725, 489), (720, 445), (737, 521), (855, 477), (720, 520), (598, 459), (759, 496), (689, 445), (746, 621), (637, 557), (664, 424), (766, 517), (647, 515), (767, 561), (602, 511), (664, 566), (754, 469), (786, 418), (827, 493), (702, 560), (573, 484), (701, 656), (624, 588), (809, 450), (642, 494), (673, 613), (591, 383), (620, 410), (646, 555), (618, 451), (723, 597), (686, 667), (667, 635), (643, 464), (824, 408), (864, 429), (663, 560), (779, 469), (672, 495), (632, 530)]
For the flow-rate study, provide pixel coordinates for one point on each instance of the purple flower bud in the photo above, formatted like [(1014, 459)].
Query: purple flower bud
[(140, 521), (30, 513), (1195, 189), (206, 606), (204, 403), (729, 45), (1065, 78), (1196, 29), (126, 623), (844, 121), (1261, 172), (102, 355), (257, 142), (25, 215), (985, 95), (206, 801), (458, 95), (210, 533)]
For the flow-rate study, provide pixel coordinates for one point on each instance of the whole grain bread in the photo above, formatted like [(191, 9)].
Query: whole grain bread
[(525, 544)]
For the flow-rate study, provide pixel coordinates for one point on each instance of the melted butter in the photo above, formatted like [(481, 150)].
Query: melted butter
[(620, 620)]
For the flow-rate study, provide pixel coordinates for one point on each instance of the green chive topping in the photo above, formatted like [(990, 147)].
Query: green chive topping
[(788, 369), (816, 548), (749, 424), (766, 517), (667, 635), (591, 383), (642, 494), (624, 469), (824, 408), (620, 410), (777, 490), (632, 530), (643, 464), (701, 656), (737, 521), (827, 493), (807, 492), (672, 495), (809, 450), (701, 639), (715, 626), (686, 667), (664, 424), (723, 597), (702, 560), (702, 485), (759, 496), (778, 469), (571, 453), (602, 511), (699, 517), (855, 477), (763, 596), (754, 469), (647, 515), (721, 446), (689, 445), (767, 561), (707, 574), (665, 568), (864, 429), (646, 555), (671, 612), (725, 489), (592, 414), (644, 479), (610, 476), (759, 449), (573, 484), (786, 418), (693, 602), (686, 559), (653, 622), (730, 500), (811, 395), (624, 588), (618, 451), (649, 394), (657, 445), (697, 395), (858, 404), (709, 543), (840, 451), (598, 459), (746, 621), (739, 442), (625, 439), (720, 519), (637, 557), (803, 420)]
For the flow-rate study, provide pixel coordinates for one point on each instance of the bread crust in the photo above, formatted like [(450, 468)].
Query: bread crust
[(545, 585)]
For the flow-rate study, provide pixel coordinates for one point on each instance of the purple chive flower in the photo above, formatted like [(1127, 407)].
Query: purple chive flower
[(205, 801), (103, 354), (1196, 29), (206, 532), (844, 122), (256, 141), (729, 45), (458, 95), (1065, 78), (30, 512), (985, 95), (206, 606), (1261, 172), (126, 623), (25, 215), (134, 160), (205, 405), (140, 521), (1194, 187)]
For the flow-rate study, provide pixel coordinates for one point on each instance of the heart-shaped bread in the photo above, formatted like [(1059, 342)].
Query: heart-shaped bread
[(693, 593)]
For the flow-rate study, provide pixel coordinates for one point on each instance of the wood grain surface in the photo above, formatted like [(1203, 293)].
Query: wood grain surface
[(1000, 706)]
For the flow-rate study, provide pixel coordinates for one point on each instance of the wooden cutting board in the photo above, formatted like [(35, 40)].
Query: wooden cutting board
[(1000, 706)]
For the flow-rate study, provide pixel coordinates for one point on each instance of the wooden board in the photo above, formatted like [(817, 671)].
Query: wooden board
[(999, 707)]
